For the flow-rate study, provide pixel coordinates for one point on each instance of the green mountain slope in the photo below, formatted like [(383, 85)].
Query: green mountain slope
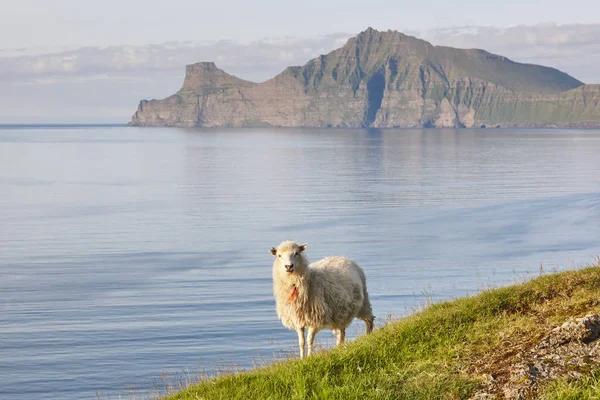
[(408, 57)]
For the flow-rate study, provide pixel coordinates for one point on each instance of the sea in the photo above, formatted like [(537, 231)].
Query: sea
[(133, 260)]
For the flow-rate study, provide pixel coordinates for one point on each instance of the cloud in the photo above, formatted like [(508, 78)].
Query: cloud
[(258, 60), (574, 49)]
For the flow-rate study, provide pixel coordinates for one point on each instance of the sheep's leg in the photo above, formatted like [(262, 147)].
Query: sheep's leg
[(369, 323), (311, 338), (301, 341), (341, 336)]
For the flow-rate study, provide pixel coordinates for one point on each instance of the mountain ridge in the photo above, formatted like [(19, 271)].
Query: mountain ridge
[(384, 80)]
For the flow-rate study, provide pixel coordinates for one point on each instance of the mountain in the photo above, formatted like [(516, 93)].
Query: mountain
[(383, 80)]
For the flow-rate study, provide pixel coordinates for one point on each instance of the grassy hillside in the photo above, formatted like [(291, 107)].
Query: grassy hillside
[(371, 51), (451, 350)]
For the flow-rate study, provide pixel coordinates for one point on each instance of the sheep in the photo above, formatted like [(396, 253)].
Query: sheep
[(327, 294)]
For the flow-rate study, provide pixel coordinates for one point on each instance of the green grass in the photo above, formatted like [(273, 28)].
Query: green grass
[(443, 352), (583, 389)]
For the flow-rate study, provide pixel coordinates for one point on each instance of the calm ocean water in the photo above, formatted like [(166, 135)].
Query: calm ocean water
[(125, 252)]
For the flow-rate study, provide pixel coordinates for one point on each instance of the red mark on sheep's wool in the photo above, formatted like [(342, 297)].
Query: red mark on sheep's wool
[(293, 295)]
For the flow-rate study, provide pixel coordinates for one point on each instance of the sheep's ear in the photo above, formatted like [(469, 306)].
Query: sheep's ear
[(303, 247), (273, 251)]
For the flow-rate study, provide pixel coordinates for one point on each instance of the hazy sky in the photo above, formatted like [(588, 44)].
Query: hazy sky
[(31, 23), (92, 61)]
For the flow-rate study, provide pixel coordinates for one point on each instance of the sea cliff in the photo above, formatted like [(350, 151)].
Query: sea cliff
[(382, 80)]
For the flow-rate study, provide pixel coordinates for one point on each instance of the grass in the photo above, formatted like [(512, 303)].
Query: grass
[(583, 389), (446, 351)]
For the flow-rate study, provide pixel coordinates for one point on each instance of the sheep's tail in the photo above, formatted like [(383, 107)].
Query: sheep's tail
[(366, 312)]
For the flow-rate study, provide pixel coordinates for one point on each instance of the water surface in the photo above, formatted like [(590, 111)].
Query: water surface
[(125, 252)]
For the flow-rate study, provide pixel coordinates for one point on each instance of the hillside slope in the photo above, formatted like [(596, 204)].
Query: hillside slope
[(382, 79), (511, 343)]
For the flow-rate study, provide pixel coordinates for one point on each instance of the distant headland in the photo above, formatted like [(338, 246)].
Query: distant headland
[(383, 80)]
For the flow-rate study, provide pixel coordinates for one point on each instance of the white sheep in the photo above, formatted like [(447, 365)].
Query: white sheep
[(327, 294)]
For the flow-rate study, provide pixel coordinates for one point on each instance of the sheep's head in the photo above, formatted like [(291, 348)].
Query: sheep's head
[(289, 257)]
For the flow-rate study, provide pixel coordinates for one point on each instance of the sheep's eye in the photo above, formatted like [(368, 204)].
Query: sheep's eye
[(280, 256), (296, 253)]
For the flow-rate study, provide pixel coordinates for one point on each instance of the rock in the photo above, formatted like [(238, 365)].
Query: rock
[(585, 329), (382, 80), (483, 396), (569, 350)]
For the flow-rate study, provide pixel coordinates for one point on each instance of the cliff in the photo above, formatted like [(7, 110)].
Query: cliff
[(383, 80)]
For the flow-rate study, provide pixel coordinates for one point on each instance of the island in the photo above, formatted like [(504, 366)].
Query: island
[(383, 80)]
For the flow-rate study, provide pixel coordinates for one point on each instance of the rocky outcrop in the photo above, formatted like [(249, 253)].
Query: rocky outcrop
[(384, 80), (570, 350)]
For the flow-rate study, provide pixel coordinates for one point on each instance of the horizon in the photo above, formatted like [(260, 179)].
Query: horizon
[(96, 64), (172, 76)]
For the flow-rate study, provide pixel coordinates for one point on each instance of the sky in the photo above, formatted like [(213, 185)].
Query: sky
[(92, 61)]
